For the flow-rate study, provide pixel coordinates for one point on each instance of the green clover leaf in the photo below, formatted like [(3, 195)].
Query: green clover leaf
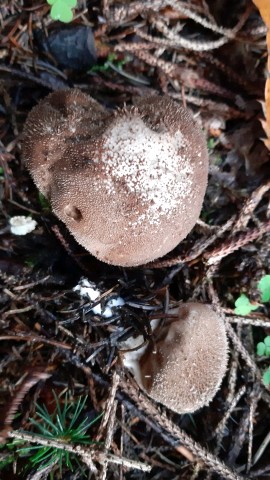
[(261, 349), (266, 377), (62, 9), (267, 345), (264, 287), (69, 3), (243, 305)]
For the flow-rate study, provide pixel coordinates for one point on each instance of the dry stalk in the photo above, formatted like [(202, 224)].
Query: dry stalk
[(255, 322), (88, 455), (234, 243), (232, 376), (221, 426), (108, 439), (151, 415), (254, 399), (110, 406), (249, 207), (31, 379), (243, 352), (195, 46)]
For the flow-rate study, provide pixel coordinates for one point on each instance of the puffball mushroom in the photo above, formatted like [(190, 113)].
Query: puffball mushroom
[(130, 184), (185, 366)]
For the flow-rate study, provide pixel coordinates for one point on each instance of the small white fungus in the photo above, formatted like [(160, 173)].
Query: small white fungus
[(89, 290), (21, 225)]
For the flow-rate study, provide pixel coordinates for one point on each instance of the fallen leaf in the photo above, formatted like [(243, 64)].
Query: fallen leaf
[(264, 9)]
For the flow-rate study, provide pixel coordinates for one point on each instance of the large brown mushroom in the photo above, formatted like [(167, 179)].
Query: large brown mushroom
[(129, 185), (184, 367)]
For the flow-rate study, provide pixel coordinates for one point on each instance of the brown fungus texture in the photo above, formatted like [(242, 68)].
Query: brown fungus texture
[(128, 184), (184, 368)]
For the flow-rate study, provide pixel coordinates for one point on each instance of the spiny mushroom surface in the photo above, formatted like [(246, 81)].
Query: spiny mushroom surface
[(185, 366), (129, 185)]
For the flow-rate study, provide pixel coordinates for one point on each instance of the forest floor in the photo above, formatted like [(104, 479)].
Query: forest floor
[(55, 352)]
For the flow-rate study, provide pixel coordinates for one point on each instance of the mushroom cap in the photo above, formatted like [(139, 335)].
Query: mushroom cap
[(51, 128), (185, 368), (129, 185)]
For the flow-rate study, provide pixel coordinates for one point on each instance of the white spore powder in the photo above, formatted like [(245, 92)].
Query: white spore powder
[(149, 164)]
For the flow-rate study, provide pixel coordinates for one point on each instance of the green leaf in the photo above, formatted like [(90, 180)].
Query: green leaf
[(45, 205), (61, 12), (267, 351), (266, 377), (264, 287), (243, 305), (6, 461), (69, 3), (62, 9), (211, 143), (261, 349)]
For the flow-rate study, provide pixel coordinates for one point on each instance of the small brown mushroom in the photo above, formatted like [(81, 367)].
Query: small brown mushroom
[(184, 368), (129, 185)]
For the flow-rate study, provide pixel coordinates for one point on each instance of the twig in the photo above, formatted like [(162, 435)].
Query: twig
[(29, 382), (238, 438), (236, 242), (252, 410), (152, 416), (109, 405), (256, 322), (249, 206), (230, 33), (219, 432), (233, 374), (87, 454), (28, 76), (243, 352), (17, 310), (221, 426), (108, 439), (34, 338), (194, 45), (261, 449)]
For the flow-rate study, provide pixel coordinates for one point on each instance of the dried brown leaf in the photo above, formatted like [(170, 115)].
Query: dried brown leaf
[(264, 9)]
